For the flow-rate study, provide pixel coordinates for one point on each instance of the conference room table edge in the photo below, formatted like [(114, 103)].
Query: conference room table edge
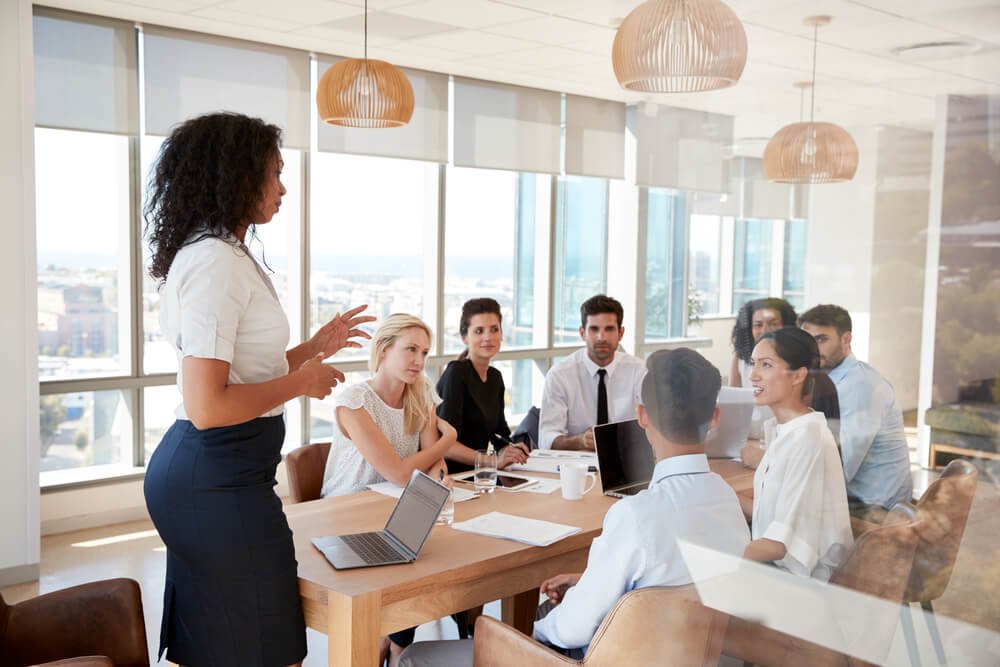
[(455, 571)]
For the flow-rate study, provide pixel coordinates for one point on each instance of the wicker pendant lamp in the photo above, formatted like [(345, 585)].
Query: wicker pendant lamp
[(358, 92), (811, 152), (679, 46)]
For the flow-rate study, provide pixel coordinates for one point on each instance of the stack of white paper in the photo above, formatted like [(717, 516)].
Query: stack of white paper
[(518, 528), (548, 460)]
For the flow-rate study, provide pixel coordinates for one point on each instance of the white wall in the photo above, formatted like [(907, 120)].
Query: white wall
[(19, 548)]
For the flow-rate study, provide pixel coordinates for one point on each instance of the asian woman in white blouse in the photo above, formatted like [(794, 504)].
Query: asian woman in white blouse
[(799, 509)]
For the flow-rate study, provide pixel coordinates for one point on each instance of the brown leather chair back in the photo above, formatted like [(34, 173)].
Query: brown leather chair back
[(305, 467), (649, 626), (943, 511), (878, 565), (101, 618)]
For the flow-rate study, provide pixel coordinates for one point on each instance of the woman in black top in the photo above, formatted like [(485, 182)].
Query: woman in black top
[(472, 391)]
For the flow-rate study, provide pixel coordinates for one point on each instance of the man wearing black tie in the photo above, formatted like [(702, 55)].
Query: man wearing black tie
[(595, 385)]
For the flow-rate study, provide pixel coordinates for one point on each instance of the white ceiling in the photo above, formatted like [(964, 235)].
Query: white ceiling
[(565, 45)]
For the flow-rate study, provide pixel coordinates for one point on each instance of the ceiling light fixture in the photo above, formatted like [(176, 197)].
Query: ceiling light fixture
[(679, 46), (811, 152), (358, 92), (929, 51)]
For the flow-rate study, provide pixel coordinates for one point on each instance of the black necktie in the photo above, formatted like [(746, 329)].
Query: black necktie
[(602, 397)]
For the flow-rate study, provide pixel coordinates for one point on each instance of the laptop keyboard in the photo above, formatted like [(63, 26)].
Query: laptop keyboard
[(372, 548)]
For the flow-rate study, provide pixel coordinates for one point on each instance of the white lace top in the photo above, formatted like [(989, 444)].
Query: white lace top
[(347, 471)]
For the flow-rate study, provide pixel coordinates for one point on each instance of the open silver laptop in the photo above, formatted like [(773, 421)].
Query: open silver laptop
[(404, 535), (730, 434), (624, 457)]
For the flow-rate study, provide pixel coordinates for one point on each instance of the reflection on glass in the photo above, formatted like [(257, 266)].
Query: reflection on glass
[(752, 270), (580, 252), (796, 235), (366, 235), (84, 429), (666, 250), (82, 220), (704, 261)]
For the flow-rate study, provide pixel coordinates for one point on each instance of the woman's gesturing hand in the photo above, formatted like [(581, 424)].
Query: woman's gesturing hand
[(338, 333), (318, 378)]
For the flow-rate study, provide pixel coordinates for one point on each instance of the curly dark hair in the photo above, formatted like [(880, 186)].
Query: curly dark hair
[(208, 181), (742, 336)]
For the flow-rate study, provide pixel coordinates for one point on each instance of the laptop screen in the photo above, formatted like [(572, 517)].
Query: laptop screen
[(417, 509), (623, 454)]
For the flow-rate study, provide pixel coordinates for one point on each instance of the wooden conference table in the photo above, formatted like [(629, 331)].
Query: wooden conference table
[(455, 571)]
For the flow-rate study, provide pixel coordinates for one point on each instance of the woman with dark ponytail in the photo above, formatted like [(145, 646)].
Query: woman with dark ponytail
[(799, 509), (472, 391)]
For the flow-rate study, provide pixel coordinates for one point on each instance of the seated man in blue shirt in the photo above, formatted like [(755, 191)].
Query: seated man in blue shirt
[(873, 447), (639, 543)]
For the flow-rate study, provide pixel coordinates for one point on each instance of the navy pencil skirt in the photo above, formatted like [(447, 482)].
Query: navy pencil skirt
[(231, 594)]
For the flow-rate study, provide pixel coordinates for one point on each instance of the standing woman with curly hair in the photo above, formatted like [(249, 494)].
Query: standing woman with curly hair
[(231, 594)]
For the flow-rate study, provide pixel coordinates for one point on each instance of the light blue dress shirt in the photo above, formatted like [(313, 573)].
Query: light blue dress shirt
[(638, 546), (876, 457)]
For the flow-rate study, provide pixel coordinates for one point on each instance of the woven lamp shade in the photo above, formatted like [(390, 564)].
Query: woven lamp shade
[(359, 92), (679, 46), (811, 153)]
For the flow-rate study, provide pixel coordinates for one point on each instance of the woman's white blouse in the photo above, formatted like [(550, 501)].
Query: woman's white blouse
[(800, 498), (347, 471), (218, 303)]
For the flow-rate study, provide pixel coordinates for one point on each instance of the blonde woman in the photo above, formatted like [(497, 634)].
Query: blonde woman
[(386, 427)]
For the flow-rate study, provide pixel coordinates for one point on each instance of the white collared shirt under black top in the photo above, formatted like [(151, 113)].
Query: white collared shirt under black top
[(217, 303), (799, 497), (638, 545), (569, 403)]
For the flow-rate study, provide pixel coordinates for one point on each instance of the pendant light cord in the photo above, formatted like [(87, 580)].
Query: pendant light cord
[(812, 92)]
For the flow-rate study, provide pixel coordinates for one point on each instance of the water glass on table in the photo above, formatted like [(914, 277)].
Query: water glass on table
[(485, 479)]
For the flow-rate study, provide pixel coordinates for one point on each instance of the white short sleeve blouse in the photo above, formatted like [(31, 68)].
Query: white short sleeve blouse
[(800, 498), (347, 471), (217, 303)]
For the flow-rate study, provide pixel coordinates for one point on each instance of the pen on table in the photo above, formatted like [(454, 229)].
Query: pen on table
[(589, 468)]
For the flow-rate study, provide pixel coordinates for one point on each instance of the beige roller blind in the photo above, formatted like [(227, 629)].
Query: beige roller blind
[(85, 72), (498, 126), (188, 74), (681, 149), (425, 137), (595, 137)]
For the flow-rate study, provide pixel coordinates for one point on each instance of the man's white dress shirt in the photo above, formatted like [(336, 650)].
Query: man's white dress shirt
[(569, 401), (217, 303), (638, 546), (800, 498)]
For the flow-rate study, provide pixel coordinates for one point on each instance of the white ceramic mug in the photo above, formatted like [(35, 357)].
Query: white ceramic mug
[(572, 477)]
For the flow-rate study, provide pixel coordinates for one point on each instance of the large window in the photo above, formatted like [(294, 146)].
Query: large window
[(705, 262), (666, 252), (580, 252), (794, 284), (752, 261), (82, 213), (366, 235)]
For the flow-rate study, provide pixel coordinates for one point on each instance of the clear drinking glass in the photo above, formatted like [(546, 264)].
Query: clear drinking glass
[(447, 515), (486, 472)]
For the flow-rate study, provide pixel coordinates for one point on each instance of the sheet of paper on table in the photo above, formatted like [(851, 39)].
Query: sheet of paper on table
[(548, 460), (393, 491), (518, 528)]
